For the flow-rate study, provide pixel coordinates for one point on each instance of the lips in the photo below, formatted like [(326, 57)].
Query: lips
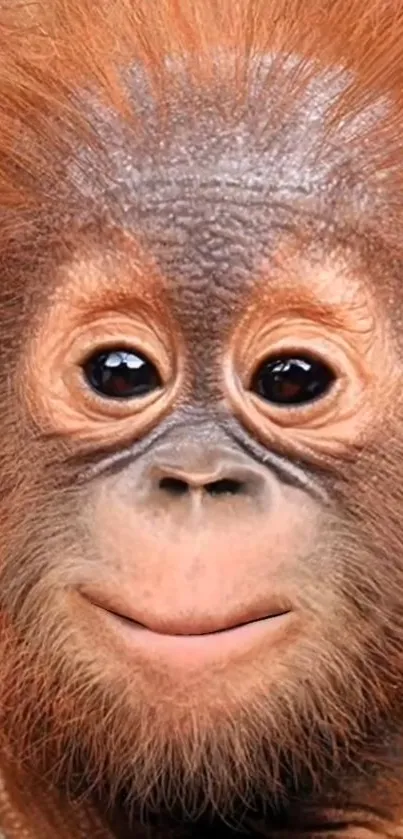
[(188, 645), (189, 625)]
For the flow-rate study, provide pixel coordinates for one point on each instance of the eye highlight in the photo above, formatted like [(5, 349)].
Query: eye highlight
[(290, 379), (119, 373)]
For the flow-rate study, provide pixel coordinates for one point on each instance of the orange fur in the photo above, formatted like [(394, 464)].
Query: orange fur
[(48, 51)]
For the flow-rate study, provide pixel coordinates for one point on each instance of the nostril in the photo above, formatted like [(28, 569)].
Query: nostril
[(174, 486), (225, 486), (177, 486)]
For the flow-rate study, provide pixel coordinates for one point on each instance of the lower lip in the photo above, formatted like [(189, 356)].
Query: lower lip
[(195, 650)]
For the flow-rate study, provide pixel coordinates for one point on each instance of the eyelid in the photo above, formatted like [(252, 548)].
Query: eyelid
[(64, 401), (297, 352), (128, 399), (100, 405), (307, 403), (322, 411), (315, 414), (323, 426), (325, 353), (129, 335), (119, 345)]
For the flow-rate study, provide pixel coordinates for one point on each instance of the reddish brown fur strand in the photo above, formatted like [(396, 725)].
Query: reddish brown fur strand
[(48, 51)]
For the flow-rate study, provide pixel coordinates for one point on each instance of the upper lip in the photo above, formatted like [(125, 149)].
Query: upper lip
[(187, 624)]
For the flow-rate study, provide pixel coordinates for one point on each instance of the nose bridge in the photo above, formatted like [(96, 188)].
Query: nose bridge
[(196, 464)]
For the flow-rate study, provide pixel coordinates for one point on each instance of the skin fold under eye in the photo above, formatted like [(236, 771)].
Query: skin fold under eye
[(303, 384), (292, 379)]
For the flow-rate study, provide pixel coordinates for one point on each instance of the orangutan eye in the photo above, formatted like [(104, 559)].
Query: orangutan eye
[(121, 374), (292, 379)]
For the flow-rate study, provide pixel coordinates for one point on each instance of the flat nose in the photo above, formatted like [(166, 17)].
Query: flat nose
[(212, 472)]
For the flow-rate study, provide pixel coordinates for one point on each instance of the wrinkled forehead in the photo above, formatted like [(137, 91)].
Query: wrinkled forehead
[(210, 182)]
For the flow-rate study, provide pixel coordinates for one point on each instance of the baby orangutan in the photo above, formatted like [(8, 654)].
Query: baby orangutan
[(201, 365)]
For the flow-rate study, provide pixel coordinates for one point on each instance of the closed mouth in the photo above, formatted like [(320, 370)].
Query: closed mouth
[(190, 626), (219, 630)]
